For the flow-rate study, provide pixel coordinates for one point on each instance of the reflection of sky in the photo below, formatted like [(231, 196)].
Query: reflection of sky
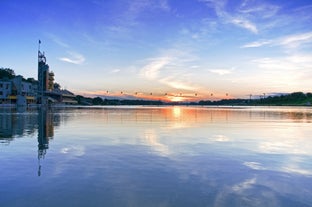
[(271, 132), (174, 131), (131, 157)]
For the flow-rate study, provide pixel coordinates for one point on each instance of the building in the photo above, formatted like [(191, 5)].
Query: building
[(47, 92), (17, 91), (43, 79), (5, 91)]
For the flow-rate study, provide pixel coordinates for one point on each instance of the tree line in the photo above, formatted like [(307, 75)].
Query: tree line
[(295, 99)]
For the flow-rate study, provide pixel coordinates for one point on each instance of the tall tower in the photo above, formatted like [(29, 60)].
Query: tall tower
[(43, 77)]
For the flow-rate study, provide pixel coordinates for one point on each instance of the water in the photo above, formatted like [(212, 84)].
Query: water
[(156, 156)]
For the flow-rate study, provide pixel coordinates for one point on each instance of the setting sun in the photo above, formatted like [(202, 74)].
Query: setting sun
[(176, 98)]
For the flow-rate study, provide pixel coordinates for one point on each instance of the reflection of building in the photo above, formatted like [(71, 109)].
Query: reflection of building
[(45, 133), (5, 127), (15, 124)]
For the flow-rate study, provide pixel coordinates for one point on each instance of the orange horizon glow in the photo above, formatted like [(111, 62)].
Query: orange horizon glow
[(165, 97)]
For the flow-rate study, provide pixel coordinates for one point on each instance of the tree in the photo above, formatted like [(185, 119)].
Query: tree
[(31, 80), (7, 73), (97, 101), (57, 86)]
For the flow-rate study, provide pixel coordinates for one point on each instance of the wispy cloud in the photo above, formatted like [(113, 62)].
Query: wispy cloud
[(221, 71), (74, 58), (133, 10), (115, 71), (290, 41), (58, 40), (164, 5), (245, 23), (172, 69), (294, 62), (151, 70), (285, 72), (262, 9), (259, 43), (177, 84), (236, 18), (296, 40)]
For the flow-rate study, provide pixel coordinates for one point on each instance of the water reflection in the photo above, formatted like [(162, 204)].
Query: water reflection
[(45, 133), (22, 122), (157, 156), (16, 123)]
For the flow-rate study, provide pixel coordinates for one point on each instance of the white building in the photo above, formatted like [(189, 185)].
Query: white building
[(5, 90), (17, 91)]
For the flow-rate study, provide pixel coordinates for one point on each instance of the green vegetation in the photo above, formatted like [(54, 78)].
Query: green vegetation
[(7, 73), (114, 102), (293, 99), (297, 99)]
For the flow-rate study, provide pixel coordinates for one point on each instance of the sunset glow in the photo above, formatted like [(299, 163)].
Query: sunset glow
[(146, 49)]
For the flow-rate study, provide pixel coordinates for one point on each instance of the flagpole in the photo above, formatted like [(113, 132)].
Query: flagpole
[(39, 45)]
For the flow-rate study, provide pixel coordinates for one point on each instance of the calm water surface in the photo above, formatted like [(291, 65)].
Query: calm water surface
[(156, 156)]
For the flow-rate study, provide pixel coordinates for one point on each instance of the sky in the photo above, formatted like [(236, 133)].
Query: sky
[(176, 50)]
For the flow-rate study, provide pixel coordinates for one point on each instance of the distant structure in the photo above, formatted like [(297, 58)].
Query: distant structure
[(48, 91), (43, 78), (17, 91)]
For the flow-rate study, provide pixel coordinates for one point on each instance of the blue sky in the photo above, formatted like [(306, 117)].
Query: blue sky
[(171, 48)]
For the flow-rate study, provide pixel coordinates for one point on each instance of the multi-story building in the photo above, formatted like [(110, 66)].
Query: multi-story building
[(5, 91), (21, 92), (17, 91)]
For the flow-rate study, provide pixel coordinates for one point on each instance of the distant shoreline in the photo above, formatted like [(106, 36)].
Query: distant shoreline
[(2, 106)]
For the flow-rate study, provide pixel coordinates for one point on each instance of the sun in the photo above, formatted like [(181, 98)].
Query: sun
[(176, 98)]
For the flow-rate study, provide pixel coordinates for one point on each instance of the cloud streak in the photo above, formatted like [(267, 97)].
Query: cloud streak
[(74, 58), (58, 41), (284, 72), (152, 69), (290, 41), (237, 18), (174, 69), (221, 71), (177, 84), (244, 23)]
